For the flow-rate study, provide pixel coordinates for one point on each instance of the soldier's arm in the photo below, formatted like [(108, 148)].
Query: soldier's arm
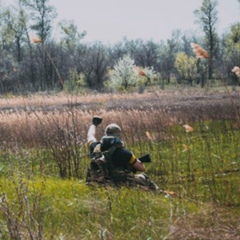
[(92, 129), (91, 134), (138, 166)]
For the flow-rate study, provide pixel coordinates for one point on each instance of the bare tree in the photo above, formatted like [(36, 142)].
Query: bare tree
[(95, 66), (144, 53), (71, 41), (207, 19), (42, 16), (167, 56), (232, 52), (15, 21)]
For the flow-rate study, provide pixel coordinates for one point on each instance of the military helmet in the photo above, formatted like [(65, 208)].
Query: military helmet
[(113, 130)]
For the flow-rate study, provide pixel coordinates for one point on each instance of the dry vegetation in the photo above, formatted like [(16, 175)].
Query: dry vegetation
[(60, 122), (23, 118)]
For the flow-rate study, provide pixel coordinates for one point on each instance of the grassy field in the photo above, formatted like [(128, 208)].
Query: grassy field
[(194, 141)]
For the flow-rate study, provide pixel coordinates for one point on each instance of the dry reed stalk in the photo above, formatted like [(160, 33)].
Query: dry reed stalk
[(35, 39), (185, 148), (26, 125), (188, 128), (199, 51), (236, 70), (135, 114), (149, 136), (140, 72), (45, 99)]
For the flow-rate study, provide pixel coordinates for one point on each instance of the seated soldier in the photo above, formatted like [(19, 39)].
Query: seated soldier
[(111, 163)]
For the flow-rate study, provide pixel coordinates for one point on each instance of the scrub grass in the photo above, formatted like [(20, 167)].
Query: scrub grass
[(44, 157), (57, 209)]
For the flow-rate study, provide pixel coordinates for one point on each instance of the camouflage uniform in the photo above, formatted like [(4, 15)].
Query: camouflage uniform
[(102, 170)]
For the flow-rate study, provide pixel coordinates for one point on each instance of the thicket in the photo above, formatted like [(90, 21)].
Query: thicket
[(192, 133), (195, 154), (31, 64)]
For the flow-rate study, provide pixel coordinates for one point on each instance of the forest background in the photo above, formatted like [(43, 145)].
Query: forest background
[(69, 64), (177, 100)]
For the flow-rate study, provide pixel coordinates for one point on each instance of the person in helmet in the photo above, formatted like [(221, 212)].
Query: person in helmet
[(121, 157), (113, 164)]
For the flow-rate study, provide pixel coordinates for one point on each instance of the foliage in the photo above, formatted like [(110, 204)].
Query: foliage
[(125, 75), (94, 66), (150, 72), (198, 161), (71, 37), (167, 55), (39, 68), (201, 166), (186, 67), (76, 82), (42, 15), (232, 51), (207, 19), (122, 76), (233, 44)]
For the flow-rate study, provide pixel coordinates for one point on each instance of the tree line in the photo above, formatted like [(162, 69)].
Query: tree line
[(38, 62)]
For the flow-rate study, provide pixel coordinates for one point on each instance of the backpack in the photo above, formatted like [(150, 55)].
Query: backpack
[(100, 165), (102, 171)]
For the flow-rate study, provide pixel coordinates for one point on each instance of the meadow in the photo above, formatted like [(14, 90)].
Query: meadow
[(192, 135)]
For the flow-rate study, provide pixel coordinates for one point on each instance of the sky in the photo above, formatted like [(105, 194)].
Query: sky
[(110, 21)]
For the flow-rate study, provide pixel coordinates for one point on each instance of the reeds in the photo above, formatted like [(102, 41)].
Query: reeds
[(140, 72), (236, 70), (35, 39), (43, 136), (188, 128), (199, 51)]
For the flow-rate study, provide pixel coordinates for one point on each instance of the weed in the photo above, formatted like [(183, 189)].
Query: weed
[(44, 158)]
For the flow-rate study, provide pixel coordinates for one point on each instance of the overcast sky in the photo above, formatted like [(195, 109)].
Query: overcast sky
[(111, 20)]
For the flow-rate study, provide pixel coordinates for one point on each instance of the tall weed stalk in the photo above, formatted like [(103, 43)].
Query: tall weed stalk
[(22, 216)]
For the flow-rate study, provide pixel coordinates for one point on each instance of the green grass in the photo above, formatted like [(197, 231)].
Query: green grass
[(204, 176), (209, 169), (76, 211)]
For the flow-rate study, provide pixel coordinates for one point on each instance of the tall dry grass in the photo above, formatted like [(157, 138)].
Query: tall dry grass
[(199, 51), (186, 163), (60, 122), (33, 121), (236, 70)]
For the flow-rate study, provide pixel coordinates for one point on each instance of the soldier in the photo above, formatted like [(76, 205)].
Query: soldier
[(111, 163)]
